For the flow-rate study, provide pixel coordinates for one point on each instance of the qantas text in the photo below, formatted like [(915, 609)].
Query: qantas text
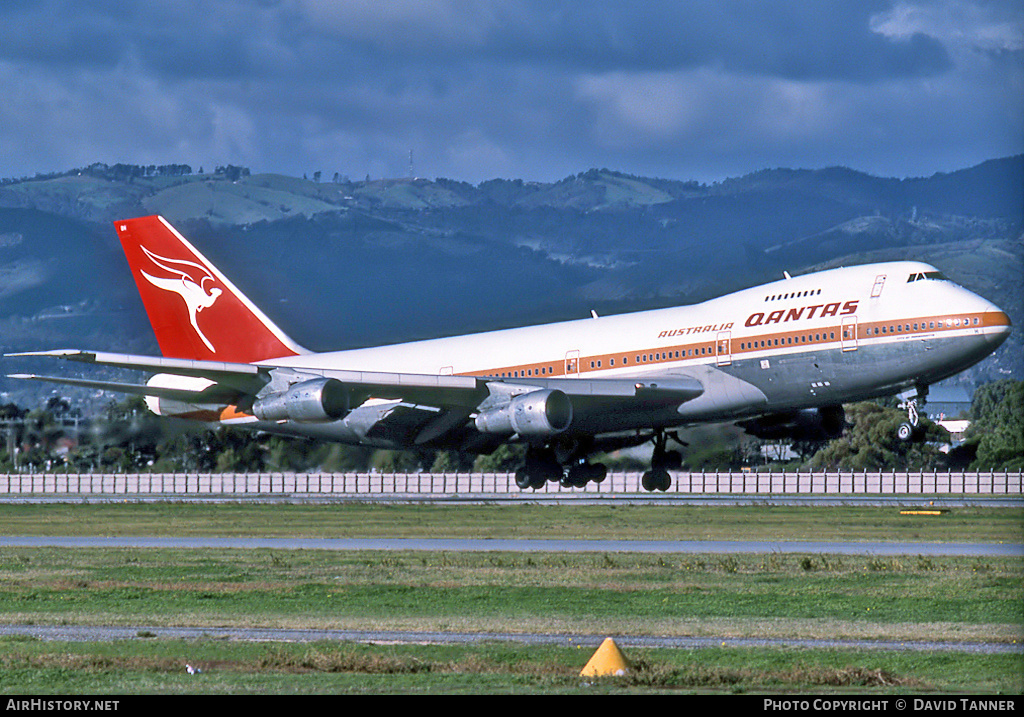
[(804, 312)]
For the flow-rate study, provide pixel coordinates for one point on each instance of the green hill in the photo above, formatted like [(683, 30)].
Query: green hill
[(341, 263)]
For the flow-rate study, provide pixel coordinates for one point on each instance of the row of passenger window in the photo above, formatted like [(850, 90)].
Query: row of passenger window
[(792, 295), (572, 364), (657, 356), (788, 340), (922, 326), (762, 343), (542, 371)]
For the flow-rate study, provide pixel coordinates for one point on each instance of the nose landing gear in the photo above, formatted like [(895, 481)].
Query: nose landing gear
[(911, 429)]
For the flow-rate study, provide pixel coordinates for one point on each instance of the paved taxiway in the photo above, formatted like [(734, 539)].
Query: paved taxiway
[(90, 633), (527, 546)]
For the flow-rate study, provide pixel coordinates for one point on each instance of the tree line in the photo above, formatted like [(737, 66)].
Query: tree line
[(127, 438), (121, 172)]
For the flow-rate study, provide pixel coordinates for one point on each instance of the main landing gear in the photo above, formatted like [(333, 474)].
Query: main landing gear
[(567, 465), (662, 462), (911, 429), (542, 466)]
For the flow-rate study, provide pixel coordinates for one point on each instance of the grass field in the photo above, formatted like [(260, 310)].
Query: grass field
[(773, 595), (627, 522), (151, 666)]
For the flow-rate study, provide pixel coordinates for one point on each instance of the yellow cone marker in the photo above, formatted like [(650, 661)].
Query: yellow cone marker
[(608, 660)]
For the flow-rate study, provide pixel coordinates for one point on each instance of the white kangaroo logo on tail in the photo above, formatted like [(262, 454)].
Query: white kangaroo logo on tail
[(184, 285)]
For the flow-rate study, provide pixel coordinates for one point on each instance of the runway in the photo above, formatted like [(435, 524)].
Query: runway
[(528, 545)]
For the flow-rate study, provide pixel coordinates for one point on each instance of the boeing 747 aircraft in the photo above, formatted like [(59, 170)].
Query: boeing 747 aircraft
[(778, 359)]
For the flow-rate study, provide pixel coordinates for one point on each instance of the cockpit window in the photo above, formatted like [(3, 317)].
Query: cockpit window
[(921, 276)]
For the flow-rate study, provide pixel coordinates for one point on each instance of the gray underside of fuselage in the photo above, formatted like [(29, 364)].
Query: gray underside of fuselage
[(834, 376), (740, 388)]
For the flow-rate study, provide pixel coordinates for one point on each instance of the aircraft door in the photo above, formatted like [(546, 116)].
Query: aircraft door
[(723, 350), (876, 290), (572, 363), (848, 335)]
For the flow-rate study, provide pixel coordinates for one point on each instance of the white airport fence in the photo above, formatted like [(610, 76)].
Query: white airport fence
[(354, 484)]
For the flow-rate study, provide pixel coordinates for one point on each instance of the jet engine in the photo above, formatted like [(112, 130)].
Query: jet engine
[(536, 414), (809, 424), (314, 401)]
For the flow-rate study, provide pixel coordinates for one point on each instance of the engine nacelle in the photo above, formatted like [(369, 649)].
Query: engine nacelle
[(809, 424), (535, 414), (315, 401)]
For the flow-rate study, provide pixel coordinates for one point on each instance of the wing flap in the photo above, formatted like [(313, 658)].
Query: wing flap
[(430, 389), (666, 390)]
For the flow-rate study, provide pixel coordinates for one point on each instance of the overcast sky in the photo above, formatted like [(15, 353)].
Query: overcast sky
[(532, 89)]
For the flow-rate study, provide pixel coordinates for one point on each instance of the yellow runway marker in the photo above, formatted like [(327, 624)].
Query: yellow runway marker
[(608, 660)]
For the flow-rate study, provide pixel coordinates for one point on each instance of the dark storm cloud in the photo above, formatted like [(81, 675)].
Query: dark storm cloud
[(525, 88), (48, 34), (794, 40)]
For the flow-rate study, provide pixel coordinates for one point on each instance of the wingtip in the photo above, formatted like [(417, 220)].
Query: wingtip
[(58, 353)]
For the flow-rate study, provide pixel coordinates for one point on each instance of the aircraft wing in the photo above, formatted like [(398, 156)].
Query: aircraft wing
[(241, 383), (244, 379)]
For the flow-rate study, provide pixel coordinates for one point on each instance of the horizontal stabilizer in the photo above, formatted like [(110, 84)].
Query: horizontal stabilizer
[(212, 394), (236, 379)]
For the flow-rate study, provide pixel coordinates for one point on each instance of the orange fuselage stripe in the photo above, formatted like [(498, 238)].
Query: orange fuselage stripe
[(739, 345)]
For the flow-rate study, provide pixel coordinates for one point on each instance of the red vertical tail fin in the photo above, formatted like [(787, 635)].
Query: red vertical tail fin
[(195, 311)]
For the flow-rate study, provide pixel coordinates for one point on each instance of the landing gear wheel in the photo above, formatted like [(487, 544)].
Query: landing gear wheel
[(662, 462), (905, 432), (523, 479), (656, 479), (578, 475), (540, 467), (574, 477), (647, 481)]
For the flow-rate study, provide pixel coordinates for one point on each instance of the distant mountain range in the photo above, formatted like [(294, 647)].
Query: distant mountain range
[(341, 264)]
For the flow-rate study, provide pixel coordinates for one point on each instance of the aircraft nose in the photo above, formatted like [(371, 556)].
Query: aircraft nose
[(997, 325)]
